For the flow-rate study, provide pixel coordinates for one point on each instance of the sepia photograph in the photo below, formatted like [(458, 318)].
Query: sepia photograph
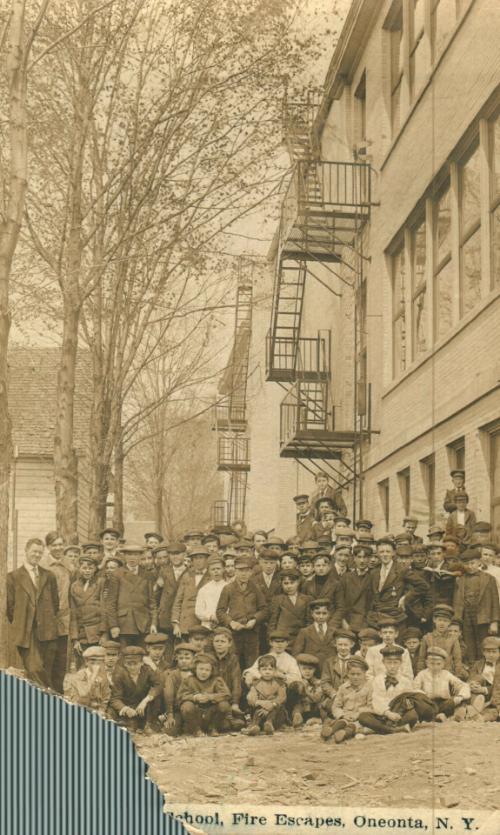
[(250, 404)]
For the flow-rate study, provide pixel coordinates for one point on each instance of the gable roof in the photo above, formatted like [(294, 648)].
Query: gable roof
[(32, 399)]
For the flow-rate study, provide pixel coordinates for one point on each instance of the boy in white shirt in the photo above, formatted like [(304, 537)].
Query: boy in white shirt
[(446, 690), (388, 632), (384, 719), (208, 595), (285, 663)]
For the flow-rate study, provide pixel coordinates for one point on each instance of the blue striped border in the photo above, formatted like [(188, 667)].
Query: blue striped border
[(66, 771)]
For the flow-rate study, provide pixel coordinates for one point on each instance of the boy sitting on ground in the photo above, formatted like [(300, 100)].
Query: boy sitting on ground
[(387, 686), (183, 668), (354, 697), (334, 671), (484, 681), (310, 694), (266, 698), (204, 699), (134, 688), (447, 692)]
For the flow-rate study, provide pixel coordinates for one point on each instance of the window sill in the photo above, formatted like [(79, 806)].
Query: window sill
[(452, 333), (427, 84)]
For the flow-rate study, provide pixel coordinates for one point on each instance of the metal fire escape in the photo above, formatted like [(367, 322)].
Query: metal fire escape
[(230, 410), (323, 213)]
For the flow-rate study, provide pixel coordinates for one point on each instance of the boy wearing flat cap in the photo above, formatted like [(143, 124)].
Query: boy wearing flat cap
[(309, 690), (446, 691), (290, 609), (440, 637), (484, 682), (208, 596), (266, 698), (86, 607), (190, 584), (476, 603), (354, 696), (319, 638), (134, 688), (305, 517), (242, 607), (375, 655), (387, 686), (353, 596), (226, 665), (334, 670), (204, 699), (184, 654), (89, 687), (461, 521)]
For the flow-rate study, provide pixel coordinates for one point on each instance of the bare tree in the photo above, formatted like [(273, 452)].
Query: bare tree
[(159, 134)]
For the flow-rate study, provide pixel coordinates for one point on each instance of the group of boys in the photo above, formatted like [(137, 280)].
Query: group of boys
[(230, 632)]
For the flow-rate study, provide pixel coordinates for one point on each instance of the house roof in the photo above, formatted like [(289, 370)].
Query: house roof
[(32, 399)]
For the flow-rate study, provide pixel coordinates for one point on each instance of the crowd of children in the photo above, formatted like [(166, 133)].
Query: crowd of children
[(227, 631)]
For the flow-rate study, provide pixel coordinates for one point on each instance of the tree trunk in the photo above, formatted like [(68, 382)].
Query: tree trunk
[(9, 234), (118, 487), (65, 463)]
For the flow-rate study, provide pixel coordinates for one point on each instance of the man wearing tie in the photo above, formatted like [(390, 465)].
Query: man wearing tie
[(386, 587), (32, 610)]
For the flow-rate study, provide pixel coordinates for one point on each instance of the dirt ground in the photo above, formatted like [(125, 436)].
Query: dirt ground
[(441, 766)]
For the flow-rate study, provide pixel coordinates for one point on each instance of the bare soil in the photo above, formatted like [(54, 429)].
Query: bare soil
[(444, 766)]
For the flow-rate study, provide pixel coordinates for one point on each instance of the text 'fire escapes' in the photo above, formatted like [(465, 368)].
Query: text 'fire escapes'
[(323, 213), (230, 411)]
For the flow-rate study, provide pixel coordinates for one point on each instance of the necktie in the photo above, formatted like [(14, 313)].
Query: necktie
[(390, 681)]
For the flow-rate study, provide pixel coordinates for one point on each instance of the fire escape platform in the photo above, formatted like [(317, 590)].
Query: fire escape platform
[(243, 467), (312, 444)]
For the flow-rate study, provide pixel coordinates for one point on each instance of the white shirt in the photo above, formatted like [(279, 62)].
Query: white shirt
[(321, 628), (384, 573), (375, 662), (442, 685), (461, 517), (382, 696), (178, 571), (207, 600), (33, 572), (268, 578), (285, 663)]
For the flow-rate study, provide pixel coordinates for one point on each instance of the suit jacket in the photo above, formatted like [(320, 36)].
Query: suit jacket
[(84, 690), (488, 610), (353, 599), (125, 692), (333, 674), (130, 602), (183, 608), (336, 496), (28, 606), (327, 589), (385, 602), (304, 526), (167, 597), (241, 605), (288, 616), (86, 611), (464, 532), (418, 596), (322, 646), (269, 592)]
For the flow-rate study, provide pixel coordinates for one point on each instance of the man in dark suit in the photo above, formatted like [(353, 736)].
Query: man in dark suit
[(386, 587), (305, 517), (319, 638), (353, 596), (476, 603), (183, 610), (167, 582), (32, 609), (458, 479), (462, 520), (130, 603), (266, 579)]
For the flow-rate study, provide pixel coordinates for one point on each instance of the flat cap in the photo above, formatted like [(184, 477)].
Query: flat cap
[(291, 573), (345, 633), (386, 540), (368, 634), (437, 651), (461, 494), (158, 638), (470, 554), (114, 558), (357, 661), (91, 546), (185, 647), (176, 548), (411, 632), (301, 497), (443, 609), (309, 545), (319, 601), (113, 531), (386, 620), (86, 557), (155, 534), (322, 555), (204, 658), (111, 646), (200, 630), (242, 562), (223, 630), (394, 651), (457, 472), (275, 540), (410, 519), (279, 635), (73, 547), (94, 652), (215, 559), (211, 537), (344, 520), (436, 530), (133, 652), (324, 499), (308, 659), (131, 548), (244, 544), (490, 642), (199, 552), (266, 554), (363, 523), (193, 535)]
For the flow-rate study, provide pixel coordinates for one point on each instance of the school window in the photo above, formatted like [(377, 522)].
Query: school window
[(399, 313), (470, 231), (383, 491), (495, 200), (418, 61), (495, 484), (428, 466), (443, 264), (420, 305), (397, 66), (456, 454), (360, 111), (444, 14), (405, 489)]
